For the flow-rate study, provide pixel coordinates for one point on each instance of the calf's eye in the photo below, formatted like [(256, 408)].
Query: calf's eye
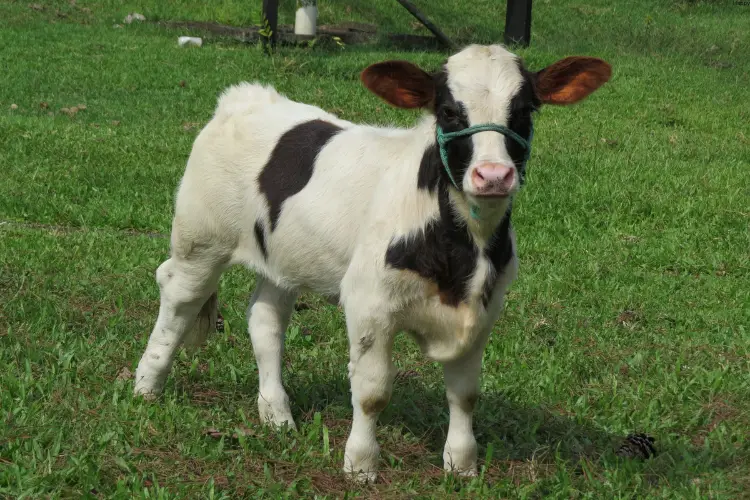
[(449, 114)]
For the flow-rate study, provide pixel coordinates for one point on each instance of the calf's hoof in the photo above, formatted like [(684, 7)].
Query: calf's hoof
[(361, 461), (149, 383), (362, 477), (470, 472), (276, 414), (147, 396), (461, 458), (146, 391)]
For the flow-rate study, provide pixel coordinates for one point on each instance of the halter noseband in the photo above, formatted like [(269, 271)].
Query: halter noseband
[(443, 138)]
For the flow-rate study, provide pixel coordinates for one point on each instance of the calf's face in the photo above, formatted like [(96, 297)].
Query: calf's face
[(485, 85)]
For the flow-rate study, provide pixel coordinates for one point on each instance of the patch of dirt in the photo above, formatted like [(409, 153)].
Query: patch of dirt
[(520, 471), (629, 238), (124, 374), (73, 110), (628, 318), (188, 126), (722, 411), (718, 64)]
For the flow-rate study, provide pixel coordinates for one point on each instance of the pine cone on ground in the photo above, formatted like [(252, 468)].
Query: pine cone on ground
[(637, 446)]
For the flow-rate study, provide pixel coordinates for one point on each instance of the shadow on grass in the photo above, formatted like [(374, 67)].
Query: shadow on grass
[(528, 443), (539, 445), (517, 432)]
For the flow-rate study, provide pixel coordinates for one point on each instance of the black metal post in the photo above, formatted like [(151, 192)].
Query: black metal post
[(518, 22), (427, 23), (271, 15)]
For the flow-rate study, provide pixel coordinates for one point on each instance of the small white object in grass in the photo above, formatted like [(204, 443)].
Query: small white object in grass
[(14, 107), (186, 41), (305, 20), (133, 17)]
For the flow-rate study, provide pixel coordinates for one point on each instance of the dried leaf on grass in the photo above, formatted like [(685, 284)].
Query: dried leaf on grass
[(73, 110), (125, 374)]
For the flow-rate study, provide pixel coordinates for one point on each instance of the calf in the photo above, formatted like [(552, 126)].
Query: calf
[(409, 228)]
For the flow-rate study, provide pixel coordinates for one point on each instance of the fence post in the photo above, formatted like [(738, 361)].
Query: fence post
[(518, 22), (271, 14)]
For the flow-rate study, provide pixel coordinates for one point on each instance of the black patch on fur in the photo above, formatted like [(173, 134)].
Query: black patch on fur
[(430, 169), (446, 254), (522, 105), (499, 252), (260, 237), (451, 116), (291, 164)]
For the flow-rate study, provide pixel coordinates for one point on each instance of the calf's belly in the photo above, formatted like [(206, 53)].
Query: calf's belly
[(306, 268), (316, 236)]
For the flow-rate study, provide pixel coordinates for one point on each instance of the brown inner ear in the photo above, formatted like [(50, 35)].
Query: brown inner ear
[(400, 83), (571, 80)]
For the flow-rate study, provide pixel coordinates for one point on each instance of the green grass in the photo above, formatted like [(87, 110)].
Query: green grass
[(631, 312)]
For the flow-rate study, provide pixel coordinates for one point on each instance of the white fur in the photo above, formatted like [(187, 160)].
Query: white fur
[(332, 238), (485, 79)]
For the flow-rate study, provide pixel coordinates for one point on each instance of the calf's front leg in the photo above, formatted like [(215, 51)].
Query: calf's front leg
[(462, 390), (371, 374)]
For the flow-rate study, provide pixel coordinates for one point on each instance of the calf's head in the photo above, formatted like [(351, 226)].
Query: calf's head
[(483, 99)]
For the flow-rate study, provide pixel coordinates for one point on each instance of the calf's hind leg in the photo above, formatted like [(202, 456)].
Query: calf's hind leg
[(269, 312), (187, 285)]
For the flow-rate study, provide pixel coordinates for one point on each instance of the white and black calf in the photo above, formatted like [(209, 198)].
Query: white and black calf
[(407, 238)]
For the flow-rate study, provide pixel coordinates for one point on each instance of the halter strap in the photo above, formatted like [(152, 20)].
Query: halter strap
[(443, 138)]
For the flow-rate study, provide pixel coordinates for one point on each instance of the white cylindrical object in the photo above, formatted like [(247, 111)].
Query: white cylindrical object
[(185, 41), (306, 20)]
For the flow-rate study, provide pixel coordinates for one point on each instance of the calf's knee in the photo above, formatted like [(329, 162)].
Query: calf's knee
[(374, 403)]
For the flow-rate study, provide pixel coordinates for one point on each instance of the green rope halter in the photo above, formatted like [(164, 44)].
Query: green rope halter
[(443, 138)]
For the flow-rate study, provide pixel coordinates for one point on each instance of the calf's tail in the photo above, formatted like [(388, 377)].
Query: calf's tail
[(206, 322)]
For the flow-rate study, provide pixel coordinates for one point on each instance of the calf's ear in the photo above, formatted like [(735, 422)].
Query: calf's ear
[(400, 83), (571, 79)]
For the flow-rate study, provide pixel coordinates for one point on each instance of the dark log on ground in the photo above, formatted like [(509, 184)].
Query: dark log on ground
[(348, 33)]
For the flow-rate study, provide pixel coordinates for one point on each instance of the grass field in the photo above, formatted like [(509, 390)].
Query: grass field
[(631, 312)]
